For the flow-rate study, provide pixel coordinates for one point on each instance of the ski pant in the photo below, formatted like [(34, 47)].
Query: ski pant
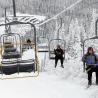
[(90, 75), (59, 58)]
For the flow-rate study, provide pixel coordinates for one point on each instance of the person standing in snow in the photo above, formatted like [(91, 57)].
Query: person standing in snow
[(59, 55), (91, 60)]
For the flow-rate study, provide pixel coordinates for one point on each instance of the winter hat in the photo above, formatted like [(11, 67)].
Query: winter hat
[(90, 48)]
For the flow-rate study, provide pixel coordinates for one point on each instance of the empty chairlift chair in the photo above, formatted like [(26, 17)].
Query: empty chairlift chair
[(43, 44)]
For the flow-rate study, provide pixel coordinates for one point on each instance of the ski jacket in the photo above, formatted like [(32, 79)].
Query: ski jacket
[(90, 59), (59, 52)]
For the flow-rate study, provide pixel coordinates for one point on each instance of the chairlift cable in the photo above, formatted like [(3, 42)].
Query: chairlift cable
[(63, 11)]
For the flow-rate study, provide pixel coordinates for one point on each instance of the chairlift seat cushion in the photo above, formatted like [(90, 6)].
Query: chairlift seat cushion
[(6, 50), (8, 46), (11, 55), (26, 67), (21, 66), (7, 43), (8, 70)]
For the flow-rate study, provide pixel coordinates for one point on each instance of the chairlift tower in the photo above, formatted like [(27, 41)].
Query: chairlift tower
[(7, 28), (58, 34)]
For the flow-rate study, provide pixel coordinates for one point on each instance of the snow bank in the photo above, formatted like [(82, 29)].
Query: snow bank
[(44, 86), (29, 54)]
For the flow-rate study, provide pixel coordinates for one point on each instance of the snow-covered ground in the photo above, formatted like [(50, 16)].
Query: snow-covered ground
[(69, 82), (44, 86)]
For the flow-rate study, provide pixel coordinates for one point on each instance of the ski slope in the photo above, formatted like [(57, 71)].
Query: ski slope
[(69, 82), (44, 86)]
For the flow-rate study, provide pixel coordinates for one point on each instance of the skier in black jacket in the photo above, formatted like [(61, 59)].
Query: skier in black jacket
[(59, 55)]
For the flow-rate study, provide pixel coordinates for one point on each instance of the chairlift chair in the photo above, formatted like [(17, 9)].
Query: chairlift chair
[(43, 44), (53, 45), (11, 53), (89, 44)]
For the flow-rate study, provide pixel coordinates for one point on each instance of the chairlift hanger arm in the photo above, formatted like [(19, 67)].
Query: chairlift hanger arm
[(61, 21), (96, 37), (60, 24), (96, 23), (90, 39)]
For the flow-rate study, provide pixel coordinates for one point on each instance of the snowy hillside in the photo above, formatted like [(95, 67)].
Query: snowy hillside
[(69, 82)]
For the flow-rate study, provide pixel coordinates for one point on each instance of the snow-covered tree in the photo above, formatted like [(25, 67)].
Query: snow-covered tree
[(74, 39)]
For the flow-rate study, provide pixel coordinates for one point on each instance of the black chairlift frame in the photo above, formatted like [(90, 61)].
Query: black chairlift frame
[(52, 52), (32, 26), (92, 38)]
